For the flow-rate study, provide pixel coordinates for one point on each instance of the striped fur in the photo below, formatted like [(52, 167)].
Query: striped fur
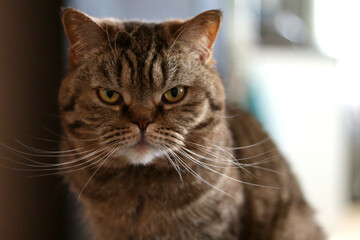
[(129, 188)]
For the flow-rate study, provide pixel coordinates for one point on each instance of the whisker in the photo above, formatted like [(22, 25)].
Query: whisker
[(221, 174), (41, 164), (244, 165), (42, 139), (224, 159), (176, 167), (231, 116), (65, 138), (206, 149), (266, 160), (221, 159), (99, 150), (242, 147), (51, 152), (107, 157), (89, 163), (232, 156), (54, 167), (268, 170), (196, 175)]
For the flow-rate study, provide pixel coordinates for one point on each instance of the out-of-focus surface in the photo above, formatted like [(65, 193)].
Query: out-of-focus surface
[(294, 95), (294, 64), (30, 69), (348, 226)]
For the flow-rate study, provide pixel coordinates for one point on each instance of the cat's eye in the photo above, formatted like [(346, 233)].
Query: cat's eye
[(174, 95), (108, 96)]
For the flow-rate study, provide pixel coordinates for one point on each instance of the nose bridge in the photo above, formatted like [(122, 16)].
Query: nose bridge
[(141, 116), (140, 112), (142, 106)]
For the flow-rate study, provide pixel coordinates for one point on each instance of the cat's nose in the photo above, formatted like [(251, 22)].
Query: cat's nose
[(143, 123)]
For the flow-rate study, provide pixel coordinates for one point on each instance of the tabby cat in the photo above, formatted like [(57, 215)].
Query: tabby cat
[(155, 151)]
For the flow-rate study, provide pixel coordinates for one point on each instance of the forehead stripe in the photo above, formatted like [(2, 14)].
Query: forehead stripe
[(119, 69), (164, 72), (131, 65), (150, 74)]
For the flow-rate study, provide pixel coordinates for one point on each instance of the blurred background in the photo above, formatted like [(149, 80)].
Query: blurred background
[(293, 63)]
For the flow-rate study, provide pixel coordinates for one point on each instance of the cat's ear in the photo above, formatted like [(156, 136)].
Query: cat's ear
[(200, 32), (82, 31)]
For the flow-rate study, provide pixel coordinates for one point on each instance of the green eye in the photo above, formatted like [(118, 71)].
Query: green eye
[(108, 96), (174, 95)]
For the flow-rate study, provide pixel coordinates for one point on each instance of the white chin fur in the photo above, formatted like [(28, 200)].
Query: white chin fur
[(142, 157)]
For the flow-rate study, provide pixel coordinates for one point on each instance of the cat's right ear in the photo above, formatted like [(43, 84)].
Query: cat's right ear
[(199, 33), (82, 31)]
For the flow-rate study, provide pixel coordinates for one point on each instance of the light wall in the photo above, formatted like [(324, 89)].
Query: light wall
[(295, 94)]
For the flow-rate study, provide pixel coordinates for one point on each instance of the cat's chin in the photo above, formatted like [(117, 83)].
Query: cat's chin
[(142, 154)]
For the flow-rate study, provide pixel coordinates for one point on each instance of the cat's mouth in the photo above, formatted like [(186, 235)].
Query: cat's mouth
[(142, 146)]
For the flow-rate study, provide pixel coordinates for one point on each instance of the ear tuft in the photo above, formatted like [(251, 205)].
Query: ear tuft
[(200, 33)]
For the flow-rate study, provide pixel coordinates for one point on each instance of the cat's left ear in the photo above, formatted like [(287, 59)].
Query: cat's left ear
[(200, 32)]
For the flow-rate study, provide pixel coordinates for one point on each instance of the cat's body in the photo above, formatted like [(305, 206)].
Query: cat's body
[(148, 167)]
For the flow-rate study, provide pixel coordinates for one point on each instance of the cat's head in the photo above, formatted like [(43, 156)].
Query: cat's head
[(134, 90)]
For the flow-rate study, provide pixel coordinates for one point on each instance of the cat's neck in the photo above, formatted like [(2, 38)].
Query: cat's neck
[(143, 199)]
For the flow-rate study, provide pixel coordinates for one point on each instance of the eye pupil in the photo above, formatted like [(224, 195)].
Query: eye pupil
[(174, 92), (109, 93)]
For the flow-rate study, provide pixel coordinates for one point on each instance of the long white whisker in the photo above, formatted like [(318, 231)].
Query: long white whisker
[(43, 165), (195, 174), (217, 147), (65, 138), (207, 150), (51, 152), (35, 155), (268, 170), (216, 160), (222, 159), (93, 161), (42, 139), (266, 160), (53, 168), (107, 157), (176, 167), (244, 165), (242, 147), (202, 147), (219, 173)]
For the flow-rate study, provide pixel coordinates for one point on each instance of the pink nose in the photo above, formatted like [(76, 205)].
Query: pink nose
[(142, 123)]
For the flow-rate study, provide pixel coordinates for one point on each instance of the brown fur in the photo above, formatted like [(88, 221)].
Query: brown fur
[(130, 194)]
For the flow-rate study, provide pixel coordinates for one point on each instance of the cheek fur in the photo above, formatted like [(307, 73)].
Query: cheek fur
[(189, 114)]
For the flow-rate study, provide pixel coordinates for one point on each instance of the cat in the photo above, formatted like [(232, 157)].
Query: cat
[(156, 152)]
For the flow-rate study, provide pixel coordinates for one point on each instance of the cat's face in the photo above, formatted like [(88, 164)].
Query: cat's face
[(135, 90)]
